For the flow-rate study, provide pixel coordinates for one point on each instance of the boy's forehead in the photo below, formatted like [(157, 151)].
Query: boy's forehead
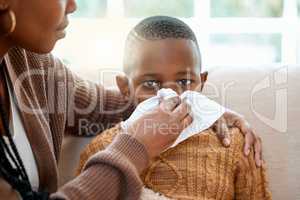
[(166, 47), (166, 54)]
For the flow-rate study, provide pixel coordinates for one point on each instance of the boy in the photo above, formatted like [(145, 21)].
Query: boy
[(162, 52)]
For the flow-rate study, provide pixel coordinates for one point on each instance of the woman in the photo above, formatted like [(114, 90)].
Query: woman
[(41, 101)]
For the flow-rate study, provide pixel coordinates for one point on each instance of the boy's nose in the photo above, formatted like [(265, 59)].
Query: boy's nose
[(174, 86)]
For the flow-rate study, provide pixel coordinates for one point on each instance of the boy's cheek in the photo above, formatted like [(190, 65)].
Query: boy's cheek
[(192, 87), (196, 87), (143, 95)]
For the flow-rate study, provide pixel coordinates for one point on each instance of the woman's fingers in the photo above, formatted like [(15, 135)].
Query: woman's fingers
[(163, 126), (222, 130), (226, 135), (168, 105), (249, 141), (245, 128), (186, 121), (258, 151), (181, 111), (251, 138)]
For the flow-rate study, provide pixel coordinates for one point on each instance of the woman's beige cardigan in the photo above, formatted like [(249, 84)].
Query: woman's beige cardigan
[(51, 100)]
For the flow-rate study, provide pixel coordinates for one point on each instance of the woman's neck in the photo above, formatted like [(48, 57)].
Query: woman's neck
[(4, 47)]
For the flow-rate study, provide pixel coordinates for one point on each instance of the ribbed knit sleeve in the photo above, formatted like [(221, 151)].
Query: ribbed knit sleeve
[(110, 174), (91, 108), (251, 182), (65, 100)]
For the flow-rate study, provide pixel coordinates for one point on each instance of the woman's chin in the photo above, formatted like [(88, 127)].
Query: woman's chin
[(60, 34), (47, 47), (42, 49)]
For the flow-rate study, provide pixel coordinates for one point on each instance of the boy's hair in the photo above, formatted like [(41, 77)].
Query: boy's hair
[(158, 28)]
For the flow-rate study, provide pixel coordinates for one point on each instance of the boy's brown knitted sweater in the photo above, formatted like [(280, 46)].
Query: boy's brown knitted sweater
[(199, 168)]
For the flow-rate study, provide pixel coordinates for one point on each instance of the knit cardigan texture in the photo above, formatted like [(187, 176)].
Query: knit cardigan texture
[(51, 100)]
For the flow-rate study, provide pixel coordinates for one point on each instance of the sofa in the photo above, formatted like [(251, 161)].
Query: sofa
[(268, 96)]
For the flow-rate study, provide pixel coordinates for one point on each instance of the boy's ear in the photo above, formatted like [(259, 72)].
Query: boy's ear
[(123, 85), (203, 78)]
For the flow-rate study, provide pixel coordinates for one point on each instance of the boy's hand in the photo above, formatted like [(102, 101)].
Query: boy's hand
[(158, 129), (233, 119)]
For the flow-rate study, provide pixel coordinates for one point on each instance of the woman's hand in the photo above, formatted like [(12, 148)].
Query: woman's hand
[(158, 129), (232, 119)]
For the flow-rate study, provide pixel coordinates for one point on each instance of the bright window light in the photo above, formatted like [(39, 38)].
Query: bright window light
[(230, 32)]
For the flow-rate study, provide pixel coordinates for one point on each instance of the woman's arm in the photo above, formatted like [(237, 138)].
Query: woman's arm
[(90, 107), (114, 171), (110, 174)]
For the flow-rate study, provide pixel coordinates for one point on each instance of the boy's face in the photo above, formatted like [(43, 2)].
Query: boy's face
[(167, 63)]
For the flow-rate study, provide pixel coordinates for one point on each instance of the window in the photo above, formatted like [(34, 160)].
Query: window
[(91, 8), (262, 48), (179, 8), (230, 32), (246, 8), (298, 6)]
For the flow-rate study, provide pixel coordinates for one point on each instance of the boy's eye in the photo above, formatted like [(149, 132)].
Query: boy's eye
[(184, 82), (151, 84)]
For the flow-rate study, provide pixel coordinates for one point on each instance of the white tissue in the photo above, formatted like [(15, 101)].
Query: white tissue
[(204, 111)]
